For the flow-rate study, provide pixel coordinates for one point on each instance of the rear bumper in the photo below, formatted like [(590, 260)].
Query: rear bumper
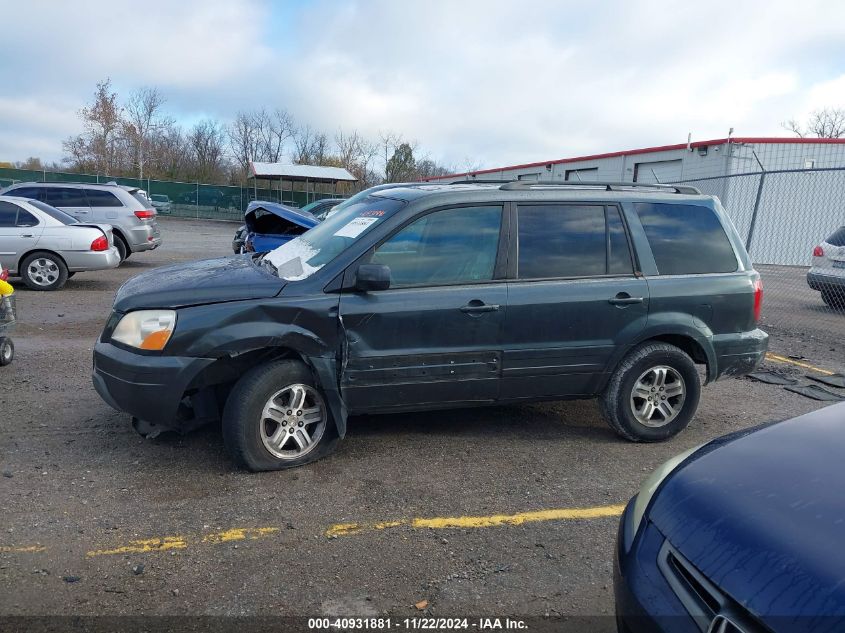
[(821, 281), (144, 237), (740, 354), (144, 386), (91, 260)]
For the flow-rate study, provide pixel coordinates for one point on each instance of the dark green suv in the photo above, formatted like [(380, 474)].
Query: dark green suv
[(432, 296)]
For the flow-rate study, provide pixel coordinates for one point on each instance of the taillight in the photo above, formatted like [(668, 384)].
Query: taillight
[(818, 251), (4, 274), (145, 214), (758, 299), (100, 244)]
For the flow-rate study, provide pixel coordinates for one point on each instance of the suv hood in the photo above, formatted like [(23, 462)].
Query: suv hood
[(760, 514), (219, 280)]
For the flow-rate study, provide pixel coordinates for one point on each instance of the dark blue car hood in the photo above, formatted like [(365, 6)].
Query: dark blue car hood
[(297, 216), (235, 278), (762, 515)]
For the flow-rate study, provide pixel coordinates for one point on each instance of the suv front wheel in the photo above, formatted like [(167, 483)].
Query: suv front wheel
[(653, 393), (276, 418)]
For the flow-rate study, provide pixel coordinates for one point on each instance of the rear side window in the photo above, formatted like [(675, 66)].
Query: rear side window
[(34, 193), (140, 197), (838, 237), (99, 198), (25, 218), (8, 214), (686, 239), (572, 241), (65, 197)]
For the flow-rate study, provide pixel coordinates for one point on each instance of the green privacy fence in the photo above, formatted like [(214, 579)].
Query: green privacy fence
[(187, 199)]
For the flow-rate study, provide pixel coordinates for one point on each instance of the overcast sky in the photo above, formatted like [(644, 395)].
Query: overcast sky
[(495, 82)]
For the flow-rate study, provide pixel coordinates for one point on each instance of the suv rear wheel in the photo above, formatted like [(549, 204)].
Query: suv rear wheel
[(276, 418), (653, 393), (122, 247)]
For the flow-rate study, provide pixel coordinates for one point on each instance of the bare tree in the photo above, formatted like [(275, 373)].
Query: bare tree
[(102, 121), (244, 139), (206, 141), (275, 129), (824, 123), (303, 138), (142, 117), (170, 154)]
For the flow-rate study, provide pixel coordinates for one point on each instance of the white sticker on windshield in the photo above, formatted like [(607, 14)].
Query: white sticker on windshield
[(355, 227)]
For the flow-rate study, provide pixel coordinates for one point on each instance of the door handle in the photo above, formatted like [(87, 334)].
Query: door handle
[(624, 299), (476, 306), (28, 235)]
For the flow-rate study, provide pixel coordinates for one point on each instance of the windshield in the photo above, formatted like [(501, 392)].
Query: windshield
[(304, 255), (159, 197), (53, 212)]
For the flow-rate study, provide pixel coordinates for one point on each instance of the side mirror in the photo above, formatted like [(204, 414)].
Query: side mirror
[(372, 277)]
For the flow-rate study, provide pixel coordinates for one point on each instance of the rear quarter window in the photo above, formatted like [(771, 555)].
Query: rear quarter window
[(838, 237), (686, 239), (100, 198)]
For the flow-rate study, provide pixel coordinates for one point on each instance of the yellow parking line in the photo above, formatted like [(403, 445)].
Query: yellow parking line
[(4, 549), (163, 543), (179, 542), (783, 359), (558, 514)]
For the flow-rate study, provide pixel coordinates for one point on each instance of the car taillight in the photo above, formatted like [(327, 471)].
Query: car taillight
[(145, 214), (758, 299), (4, 274), (100, 244), (818, 251)]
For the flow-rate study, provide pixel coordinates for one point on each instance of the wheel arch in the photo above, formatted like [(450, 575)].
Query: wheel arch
[(224, 372), (118, 233), (32, 251), (689, 340)]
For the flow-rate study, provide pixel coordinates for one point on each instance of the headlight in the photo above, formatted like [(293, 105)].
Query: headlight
[(653, 481), (145, 329)]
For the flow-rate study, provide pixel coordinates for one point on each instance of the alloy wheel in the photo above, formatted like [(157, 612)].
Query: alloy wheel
[(658, 396), (293, 421)]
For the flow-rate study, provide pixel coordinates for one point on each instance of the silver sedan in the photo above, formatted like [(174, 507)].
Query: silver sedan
[(44, 246)]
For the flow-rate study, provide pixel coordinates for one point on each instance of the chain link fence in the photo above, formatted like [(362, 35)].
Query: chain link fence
[(792, 223), (187, 199)]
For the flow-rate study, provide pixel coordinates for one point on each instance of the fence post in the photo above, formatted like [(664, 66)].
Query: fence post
[(197, 201), (754, 212)]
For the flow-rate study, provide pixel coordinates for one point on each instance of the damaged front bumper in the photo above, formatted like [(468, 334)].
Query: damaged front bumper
[(148, 387)]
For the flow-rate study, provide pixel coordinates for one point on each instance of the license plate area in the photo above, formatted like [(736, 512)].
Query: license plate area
[(839, 264)]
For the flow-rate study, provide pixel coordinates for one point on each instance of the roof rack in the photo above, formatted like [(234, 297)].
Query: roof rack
[(475, 181), (516, 185), (111, 183)]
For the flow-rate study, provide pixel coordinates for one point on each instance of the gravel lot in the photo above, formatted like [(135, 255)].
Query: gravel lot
[(78, 484)]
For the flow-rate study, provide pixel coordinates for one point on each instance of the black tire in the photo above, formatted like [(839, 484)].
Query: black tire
[(7, 351), (71, 274), (617, 404), (833, 299), (243, 421), (34, 263), (122, 247)]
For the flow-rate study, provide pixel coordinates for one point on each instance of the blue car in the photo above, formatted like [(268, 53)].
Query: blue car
[(270, 224), (742, 535)]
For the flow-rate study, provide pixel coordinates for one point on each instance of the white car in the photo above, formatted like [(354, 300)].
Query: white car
[(828, 272), (44, 246)]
